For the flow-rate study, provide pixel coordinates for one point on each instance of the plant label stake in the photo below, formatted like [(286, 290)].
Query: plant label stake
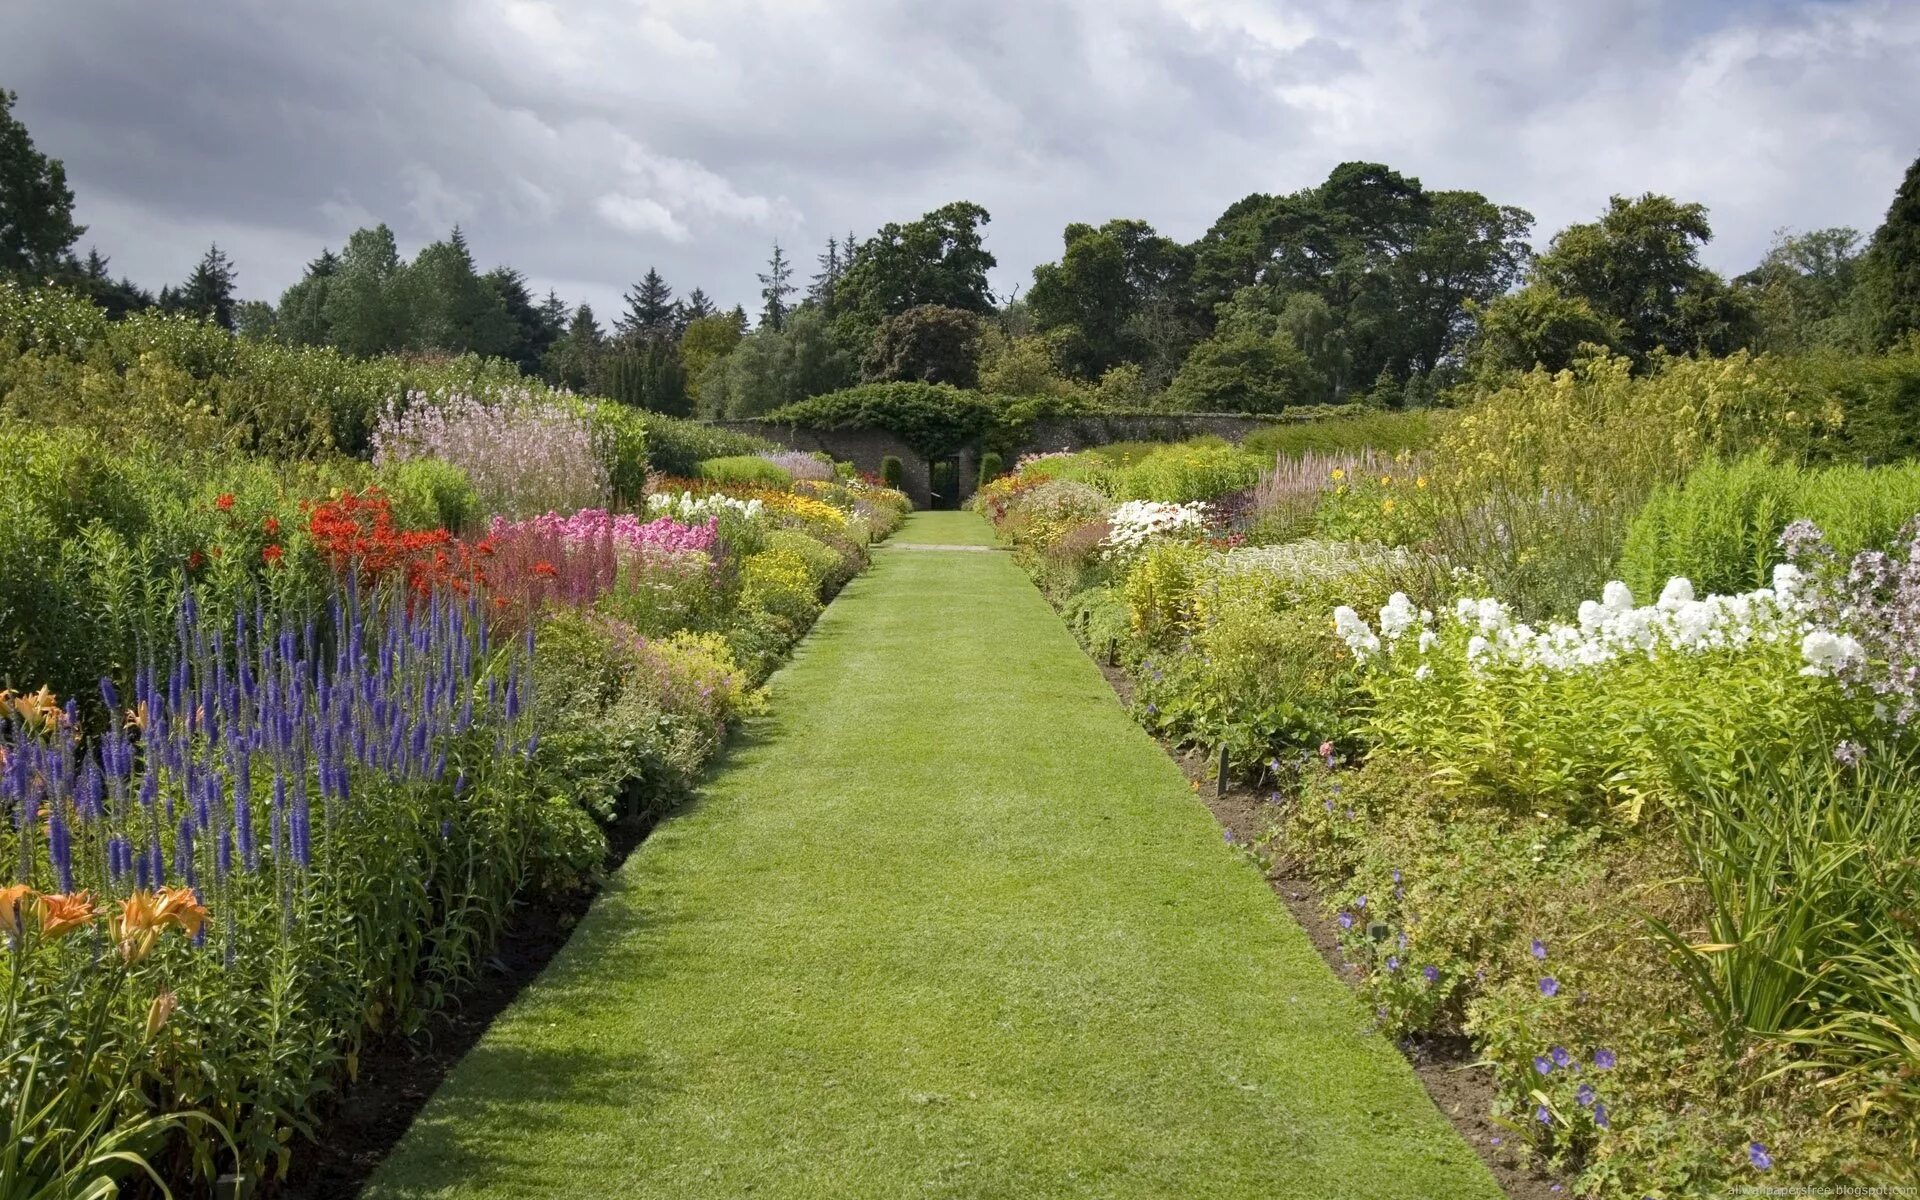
[(1220, 775)]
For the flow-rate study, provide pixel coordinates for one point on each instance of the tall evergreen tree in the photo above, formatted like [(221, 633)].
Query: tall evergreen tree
[(827, 277), (774, 290), (91, 279), (696, 307), (208, 292), (649, 309), (570, 361), (36, 205), (527, 335), (739, 315)]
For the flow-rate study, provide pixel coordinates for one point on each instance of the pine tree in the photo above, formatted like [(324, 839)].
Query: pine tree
[(774, 290), (824, 281), (739, 315), (649, 309), (697, 306), (208, 292), (303, 307)]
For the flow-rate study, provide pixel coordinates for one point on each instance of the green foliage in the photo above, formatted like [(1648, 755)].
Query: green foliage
[(937, 259), (1802, 291), (428, 493), (928, 343), (1891, 270), (892, 472), (745, 470), (678, 446), (1721, 527), (644, 374), (1638, 268), (935, 419), (36, 205), (1540, 326), (1384, 432), (1391, 266), (1243, 369), (1119, 294)]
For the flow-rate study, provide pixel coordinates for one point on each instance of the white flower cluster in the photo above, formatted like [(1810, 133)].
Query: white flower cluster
[(1614, 627), (1132, 524), (689, 507)]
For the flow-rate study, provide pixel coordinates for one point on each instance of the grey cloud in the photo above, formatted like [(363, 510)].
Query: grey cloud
[(584, 141)]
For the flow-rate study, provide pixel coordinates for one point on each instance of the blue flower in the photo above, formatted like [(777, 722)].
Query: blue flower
[(1586, 1095), (1561, 1058), (1539, 949), (1541, 1115), (1393, 962), (1600, 1115), (1603, 1059), (1396, 874), (1228, 834), (1360, 902), (1541, 1064), (1549, 987), (1346, 920), (1758, 1156), (1432, 974)]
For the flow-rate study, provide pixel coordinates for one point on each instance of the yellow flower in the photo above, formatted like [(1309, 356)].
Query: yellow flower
[(1420, 481), (1386, 506), (1339, 473), (61, 915)]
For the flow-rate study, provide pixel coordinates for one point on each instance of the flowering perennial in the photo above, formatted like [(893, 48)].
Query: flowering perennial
[(625, 530), (1136, 522)]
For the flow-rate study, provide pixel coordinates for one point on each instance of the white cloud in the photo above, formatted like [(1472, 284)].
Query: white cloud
[(640, 214)]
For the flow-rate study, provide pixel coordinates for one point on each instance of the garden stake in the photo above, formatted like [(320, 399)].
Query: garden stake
[(1220, 782)]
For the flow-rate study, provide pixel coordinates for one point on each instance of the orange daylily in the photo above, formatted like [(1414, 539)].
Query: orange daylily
[(179, 906), (158, 1012), (13, 898), (138, 925), (61, 915)]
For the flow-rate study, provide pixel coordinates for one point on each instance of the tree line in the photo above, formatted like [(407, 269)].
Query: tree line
[(1367, 286)]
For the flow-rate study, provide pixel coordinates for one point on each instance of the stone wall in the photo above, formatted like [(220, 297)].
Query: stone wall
[(865, 447)]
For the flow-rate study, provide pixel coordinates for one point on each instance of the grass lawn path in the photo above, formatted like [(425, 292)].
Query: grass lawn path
[(946, 923)]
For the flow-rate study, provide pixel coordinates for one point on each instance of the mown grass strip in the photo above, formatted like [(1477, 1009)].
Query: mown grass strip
[(946, 924)]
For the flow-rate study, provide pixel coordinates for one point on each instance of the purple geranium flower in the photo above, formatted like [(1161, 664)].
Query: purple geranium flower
[(1600, 1115), (1586, 1095), (1603, 1059), (1758, 1156), (1549, 986), (1432, 974), (1539, 949), (1346, 920), (1561, 1058), (1541, 1064)]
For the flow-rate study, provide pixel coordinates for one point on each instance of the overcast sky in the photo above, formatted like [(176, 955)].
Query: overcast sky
[(585, 140)]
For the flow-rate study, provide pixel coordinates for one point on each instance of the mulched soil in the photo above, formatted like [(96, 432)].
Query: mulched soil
[(399, 1074), (1461, 1089)]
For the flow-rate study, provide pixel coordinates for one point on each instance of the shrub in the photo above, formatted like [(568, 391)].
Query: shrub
[(430, 493), (893, 473), (991, 465), (745, 470)]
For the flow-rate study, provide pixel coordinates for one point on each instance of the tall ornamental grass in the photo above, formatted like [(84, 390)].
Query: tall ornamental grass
[(523, 457)]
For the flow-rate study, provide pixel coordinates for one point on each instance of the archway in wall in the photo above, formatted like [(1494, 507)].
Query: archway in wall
[(943, 476)]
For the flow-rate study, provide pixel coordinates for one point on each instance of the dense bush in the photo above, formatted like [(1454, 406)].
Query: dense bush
[(678, 446), (991, 465), (892, 473)]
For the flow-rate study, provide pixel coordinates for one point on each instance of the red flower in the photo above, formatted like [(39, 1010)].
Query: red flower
[(271, 525), (225, 502), (543, 567), (196, 560), (272, 554)]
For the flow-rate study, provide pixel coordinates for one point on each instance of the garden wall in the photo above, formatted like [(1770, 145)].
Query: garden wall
[(864, 447)]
